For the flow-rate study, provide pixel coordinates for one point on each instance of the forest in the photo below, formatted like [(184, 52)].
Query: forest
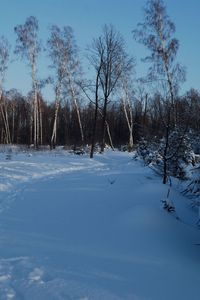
[(113, 108)]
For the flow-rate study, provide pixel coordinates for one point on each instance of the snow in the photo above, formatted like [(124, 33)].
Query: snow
[(76, 228)]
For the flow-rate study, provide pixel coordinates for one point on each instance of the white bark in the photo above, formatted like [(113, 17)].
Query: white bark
[(128, 114), (73, 94), (4, 114), (57, 106), (40, 122), (35, 103)]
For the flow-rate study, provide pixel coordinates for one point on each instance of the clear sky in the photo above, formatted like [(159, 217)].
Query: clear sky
[(86, 17)]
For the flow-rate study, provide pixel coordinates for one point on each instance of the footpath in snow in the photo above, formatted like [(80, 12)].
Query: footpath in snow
[(76, 228)]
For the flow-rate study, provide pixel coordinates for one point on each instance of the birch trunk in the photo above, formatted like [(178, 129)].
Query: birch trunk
[(35, 105), (73, 94), (57, 106), (40, 122), (4, 114), (13, 123), (127, 107)]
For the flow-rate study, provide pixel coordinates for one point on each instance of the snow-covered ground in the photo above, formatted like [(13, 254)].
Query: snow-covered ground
[(76, 228)]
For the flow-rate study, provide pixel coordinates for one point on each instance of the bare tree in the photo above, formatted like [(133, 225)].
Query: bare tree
[(63, 52), (127, 98), (94, 99), (72, 88), (58, 52), (96, 111), (28, 47), (94, 91), (109, 51), (156, 33), (4, 59)]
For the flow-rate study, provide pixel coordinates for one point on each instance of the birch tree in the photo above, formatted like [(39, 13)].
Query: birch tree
[(28, 47), (126, 99), (4, 59), (156, 33), (63, 53)]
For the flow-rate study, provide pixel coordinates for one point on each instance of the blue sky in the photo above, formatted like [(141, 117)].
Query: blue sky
[(86, 17)]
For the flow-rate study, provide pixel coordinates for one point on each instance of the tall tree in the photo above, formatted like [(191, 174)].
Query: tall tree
[(93, 89), (127, 99), (108, 56), (4, 59), (157, 34), (28, 47), (63, 53)]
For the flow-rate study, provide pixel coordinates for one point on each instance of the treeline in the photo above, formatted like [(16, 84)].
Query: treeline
[(111, 107), (147, 111)]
